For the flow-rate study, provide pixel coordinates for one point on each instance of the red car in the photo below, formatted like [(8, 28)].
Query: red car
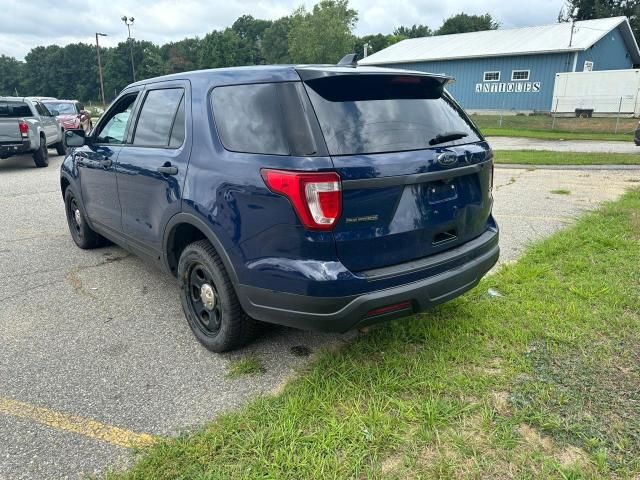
[(71, 114)]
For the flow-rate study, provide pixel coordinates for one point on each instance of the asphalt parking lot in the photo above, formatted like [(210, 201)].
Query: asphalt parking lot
[(95, 353)]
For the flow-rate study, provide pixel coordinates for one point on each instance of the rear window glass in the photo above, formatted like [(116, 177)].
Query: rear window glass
[(386, 113), (265, 118), (156, 117), (14, 109)]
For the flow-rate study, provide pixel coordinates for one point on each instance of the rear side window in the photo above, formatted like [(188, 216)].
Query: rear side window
[(157, 116), (14, 110), (178, 129), (361, 114), (265, 118)]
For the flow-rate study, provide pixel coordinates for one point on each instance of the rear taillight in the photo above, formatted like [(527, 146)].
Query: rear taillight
[(316, 197), (24, 128)]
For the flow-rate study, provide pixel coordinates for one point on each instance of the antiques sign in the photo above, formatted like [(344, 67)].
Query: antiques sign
[(508, 87)]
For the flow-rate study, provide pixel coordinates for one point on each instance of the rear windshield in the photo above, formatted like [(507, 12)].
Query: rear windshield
[(14, 110), (63, 108), (362, 114)]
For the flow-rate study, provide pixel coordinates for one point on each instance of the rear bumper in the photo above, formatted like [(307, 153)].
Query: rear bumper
[(340, 314), (17, 148)]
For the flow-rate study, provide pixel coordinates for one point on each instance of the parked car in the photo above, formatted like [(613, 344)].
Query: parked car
[(27, 126), (72, 114), (317, 197), (636, 137)]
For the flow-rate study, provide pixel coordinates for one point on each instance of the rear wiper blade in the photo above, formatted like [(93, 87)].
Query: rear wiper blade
[(447, 137)]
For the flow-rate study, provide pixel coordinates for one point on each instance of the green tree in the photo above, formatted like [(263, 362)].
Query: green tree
[(376, 43), (181, 56), (592, 9), (250, 30), (462, 23), (323, 35), (414, 31), (274, 44), (223, 49), (10, 75)]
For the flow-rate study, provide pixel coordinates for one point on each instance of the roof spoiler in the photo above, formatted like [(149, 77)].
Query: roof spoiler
[(349, 60)]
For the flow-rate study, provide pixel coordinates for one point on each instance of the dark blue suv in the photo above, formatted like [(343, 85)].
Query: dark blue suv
[(319, 197)]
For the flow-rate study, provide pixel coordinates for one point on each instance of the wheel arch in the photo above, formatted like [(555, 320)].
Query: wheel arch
[(183, 229)]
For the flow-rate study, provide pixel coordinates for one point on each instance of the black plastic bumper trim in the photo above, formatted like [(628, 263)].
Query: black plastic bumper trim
[(340, 314)]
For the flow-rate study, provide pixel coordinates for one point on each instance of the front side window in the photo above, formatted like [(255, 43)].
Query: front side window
[(519, 75), (362, 114), (114, 128), (491, 76), (157, 117)]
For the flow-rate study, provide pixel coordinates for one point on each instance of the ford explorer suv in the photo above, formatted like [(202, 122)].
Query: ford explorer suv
[(28, 127), (317, 197)]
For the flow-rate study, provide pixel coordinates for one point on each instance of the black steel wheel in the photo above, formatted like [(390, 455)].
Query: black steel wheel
[(209, 300), (82, 234)]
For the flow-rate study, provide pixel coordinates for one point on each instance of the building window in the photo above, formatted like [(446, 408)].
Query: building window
[(520, 75), (491, 76)]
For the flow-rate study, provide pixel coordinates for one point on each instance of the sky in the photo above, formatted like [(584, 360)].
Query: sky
[(27, 24)]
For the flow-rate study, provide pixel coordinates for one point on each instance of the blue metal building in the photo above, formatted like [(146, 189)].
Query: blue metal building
[(514, 69)]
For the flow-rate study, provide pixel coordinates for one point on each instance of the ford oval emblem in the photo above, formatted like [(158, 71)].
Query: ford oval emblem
[(447, 159)]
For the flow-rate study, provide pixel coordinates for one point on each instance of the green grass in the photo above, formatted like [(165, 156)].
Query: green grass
[(540, 382), (245, 366), (534, 157), (543, 127), (555, 134), (561, 191)]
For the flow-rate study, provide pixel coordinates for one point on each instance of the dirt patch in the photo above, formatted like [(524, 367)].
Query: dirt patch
[(572, 456), (533, 439), (500, 402), (390, 465)]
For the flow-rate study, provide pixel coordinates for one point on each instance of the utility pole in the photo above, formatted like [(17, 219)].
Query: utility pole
[(573, 26), (366, 49), (128, 22), (100, 66)]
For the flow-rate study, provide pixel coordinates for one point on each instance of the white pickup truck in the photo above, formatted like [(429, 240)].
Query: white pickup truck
[(27, 126)]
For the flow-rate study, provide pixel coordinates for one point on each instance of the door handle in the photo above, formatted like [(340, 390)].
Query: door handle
[(106, 163), (167, 170)]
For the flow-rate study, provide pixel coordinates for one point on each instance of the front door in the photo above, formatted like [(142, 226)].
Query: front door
[(152, 167), (96, 164)]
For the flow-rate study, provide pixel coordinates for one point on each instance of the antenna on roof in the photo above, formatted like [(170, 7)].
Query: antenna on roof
[(350, 60)]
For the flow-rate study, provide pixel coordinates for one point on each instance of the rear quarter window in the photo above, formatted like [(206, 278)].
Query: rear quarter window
[(265, 118)]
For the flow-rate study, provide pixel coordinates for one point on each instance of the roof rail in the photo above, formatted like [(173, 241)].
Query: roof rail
[(349, 60)]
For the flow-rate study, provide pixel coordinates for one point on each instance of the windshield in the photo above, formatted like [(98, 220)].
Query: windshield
[(14, 110), (63, 108), (362, 114)]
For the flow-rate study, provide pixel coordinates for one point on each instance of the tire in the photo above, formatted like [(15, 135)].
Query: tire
[(41, 155), (220, 325), (61, 146), (82, 234)]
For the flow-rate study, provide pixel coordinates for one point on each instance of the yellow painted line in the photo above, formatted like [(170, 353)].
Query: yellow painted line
[(71, 423)]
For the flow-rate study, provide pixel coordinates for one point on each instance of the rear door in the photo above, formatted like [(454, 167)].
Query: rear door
[(48, 122), (153, 164), (416, 174)]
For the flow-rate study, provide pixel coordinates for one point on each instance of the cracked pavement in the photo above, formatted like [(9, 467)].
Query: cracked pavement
[(101, 335)]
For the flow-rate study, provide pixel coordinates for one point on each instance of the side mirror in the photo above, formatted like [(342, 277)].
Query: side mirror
[(75, 138), (54, 113)]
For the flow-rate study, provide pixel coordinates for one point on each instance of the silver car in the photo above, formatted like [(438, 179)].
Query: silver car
[(27, 126)]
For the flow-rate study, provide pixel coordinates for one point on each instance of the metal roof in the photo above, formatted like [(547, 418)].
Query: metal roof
[(514, 41)]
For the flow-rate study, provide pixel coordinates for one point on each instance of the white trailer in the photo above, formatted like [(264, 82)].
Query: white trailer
[(601, 93)]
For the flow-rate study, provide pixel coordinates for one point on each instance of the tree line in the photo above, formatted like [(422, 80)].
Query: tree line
[(320, 35)]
